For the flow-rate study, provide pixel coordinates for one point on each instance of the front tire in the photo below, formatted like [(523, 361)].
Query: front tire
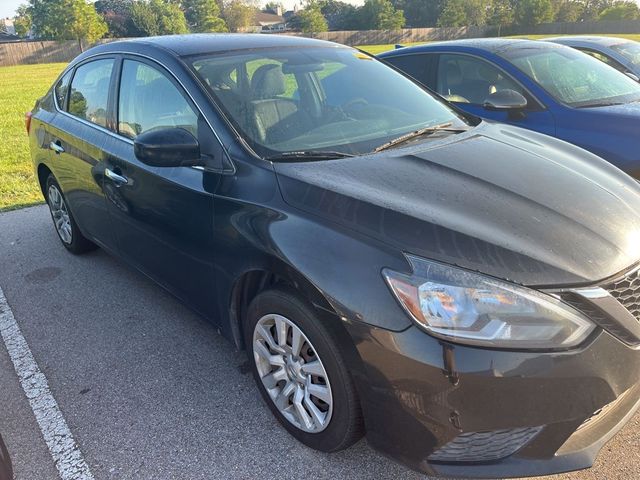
[(300, 372), (63, 221)]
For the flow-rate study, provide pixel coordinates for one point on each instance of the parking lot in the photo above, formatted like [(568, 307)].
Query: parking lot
[(149, 389)]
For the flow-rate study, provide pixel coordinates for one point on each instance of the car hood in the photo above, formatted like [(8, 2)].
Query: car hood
[(500, 200)]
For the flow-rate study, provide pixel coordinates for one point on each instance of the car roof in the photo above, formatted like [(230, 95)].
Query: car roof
[(493, 45), (202, 43), (588, 40)]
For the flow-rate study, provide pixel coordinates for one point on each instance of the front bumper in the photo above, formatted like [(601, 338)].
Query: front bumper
[(460, 411)]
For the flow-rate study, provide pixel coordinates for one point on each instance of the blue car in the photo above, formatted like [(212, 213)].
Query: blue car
[(542, 86), (620, 53)]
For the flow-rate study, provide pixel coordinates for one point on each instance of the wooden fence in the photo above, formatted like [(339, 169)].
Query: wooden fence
[(19, 53)]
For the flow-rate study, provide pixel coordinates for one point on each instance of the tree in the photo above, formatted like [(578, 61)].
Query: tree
[(569, 11), (500, 14), (311, 19), (22, 21), (339, 15), (117, 15), (592, 8), (458, 13), (65, 20), (203, 16), (157, 17), (420, 13), (239, 14), (274, 7), (380, 15), (86, 24), (533, 12), (621, 11)]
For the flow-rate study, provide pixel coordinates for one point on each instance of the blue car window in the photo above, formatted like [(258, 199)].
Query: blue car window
[(574, 78), (467, 79), (630, 51)]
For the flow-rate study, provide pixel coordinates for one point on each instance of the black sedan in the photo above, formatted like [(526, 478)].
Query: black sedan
[(466, 293)]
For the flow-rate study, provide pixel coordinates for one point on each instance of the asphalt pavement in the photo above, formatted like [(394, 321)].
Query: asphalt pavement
[(149, 389)]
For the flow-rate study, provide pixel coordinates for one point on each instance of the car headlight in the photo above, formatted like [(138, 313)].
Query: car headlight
[(471, 308)]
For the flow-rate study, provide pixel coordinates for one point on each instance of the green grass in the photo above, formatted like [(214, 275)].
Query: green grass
[(19, 88)]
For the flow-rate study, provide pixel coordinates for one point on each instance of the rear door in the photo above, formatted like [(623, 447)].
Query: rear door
[(78, 132), (163, 216)]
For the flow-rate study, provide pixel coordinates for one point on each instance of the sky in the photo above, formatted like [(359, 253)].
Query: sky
[(8, 7)]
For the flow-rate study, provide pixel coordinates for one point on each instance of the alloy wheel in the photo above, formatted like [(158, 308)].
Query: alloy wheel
[(60, 214), (292, 373)]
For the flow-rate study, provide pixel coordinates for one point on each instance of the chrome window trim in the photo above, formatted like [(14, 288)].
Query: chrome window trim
[(122, 137)]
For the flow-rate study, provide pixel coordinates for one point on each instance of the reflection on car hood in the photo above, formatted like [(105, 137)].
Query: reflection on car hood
[(498, 199)]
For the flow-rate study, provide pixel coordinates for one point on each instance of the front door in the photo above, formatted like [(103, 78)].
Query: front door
[(163, 216), (467, 81)]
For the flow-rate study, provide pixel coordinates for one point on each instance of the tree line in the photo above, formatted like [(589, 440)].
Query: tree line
[(88, 21)]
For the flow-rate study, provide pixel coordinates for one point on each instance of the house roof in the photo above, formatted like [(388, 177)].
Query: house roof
[(265, 18)]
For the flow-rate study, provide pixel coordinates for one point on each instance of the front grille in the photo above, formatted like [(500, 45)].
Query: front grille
[(484, 446), (627, 292), (598, 316)]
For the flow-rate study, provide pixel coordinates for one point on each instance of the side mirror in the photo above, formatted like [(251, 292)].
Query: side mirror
[(505, 100), (168, 147), (632, 76)]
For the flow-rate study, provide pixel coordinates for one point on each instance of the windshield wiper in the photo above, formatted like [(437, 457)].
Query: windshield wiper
[(446, 127), (601, 104), (307, 155)]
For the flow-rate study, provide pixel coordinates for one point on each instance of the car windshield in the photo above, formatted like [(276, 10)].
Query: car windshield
[(630, 51), (574, 78), (320, 99)]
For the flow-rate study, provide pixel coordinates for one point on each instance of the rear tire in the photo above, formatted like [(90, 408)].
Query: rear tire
[(63, 221), (300, 372)]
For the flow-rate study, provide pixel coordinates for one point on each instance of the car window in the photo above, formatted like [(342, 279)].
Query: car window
[(466, 79), (413, 65), (62, 89), (284, 100), (149, 100), (573, 78), (603, 58), (630, 51), (90, 91)]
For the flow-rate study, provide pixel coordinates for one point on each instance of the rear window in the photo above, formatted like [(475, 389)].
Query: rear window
[(62, 89), (90, 91)]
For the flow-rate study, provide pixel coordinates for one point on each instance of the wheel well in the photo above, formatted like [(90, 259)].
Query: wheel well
[(251, 283), (43, 174)]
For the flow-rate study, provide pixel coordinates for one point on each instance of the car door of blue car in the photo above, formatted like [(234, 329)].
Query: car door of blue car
[(468, 81)]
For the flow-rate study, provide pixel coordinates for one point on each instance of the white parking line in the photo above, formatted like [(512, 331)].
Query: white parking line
[(64, 450)]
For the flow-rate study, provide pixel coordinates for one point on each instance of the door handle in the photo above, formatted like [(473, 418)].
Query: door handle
[(115, 177), (56, 147)]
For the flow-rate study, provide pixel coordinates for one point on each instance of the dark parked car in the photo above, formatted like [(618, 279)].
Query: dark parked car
[(464, 292), (619, 53), (6, 470), (542, 86)]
